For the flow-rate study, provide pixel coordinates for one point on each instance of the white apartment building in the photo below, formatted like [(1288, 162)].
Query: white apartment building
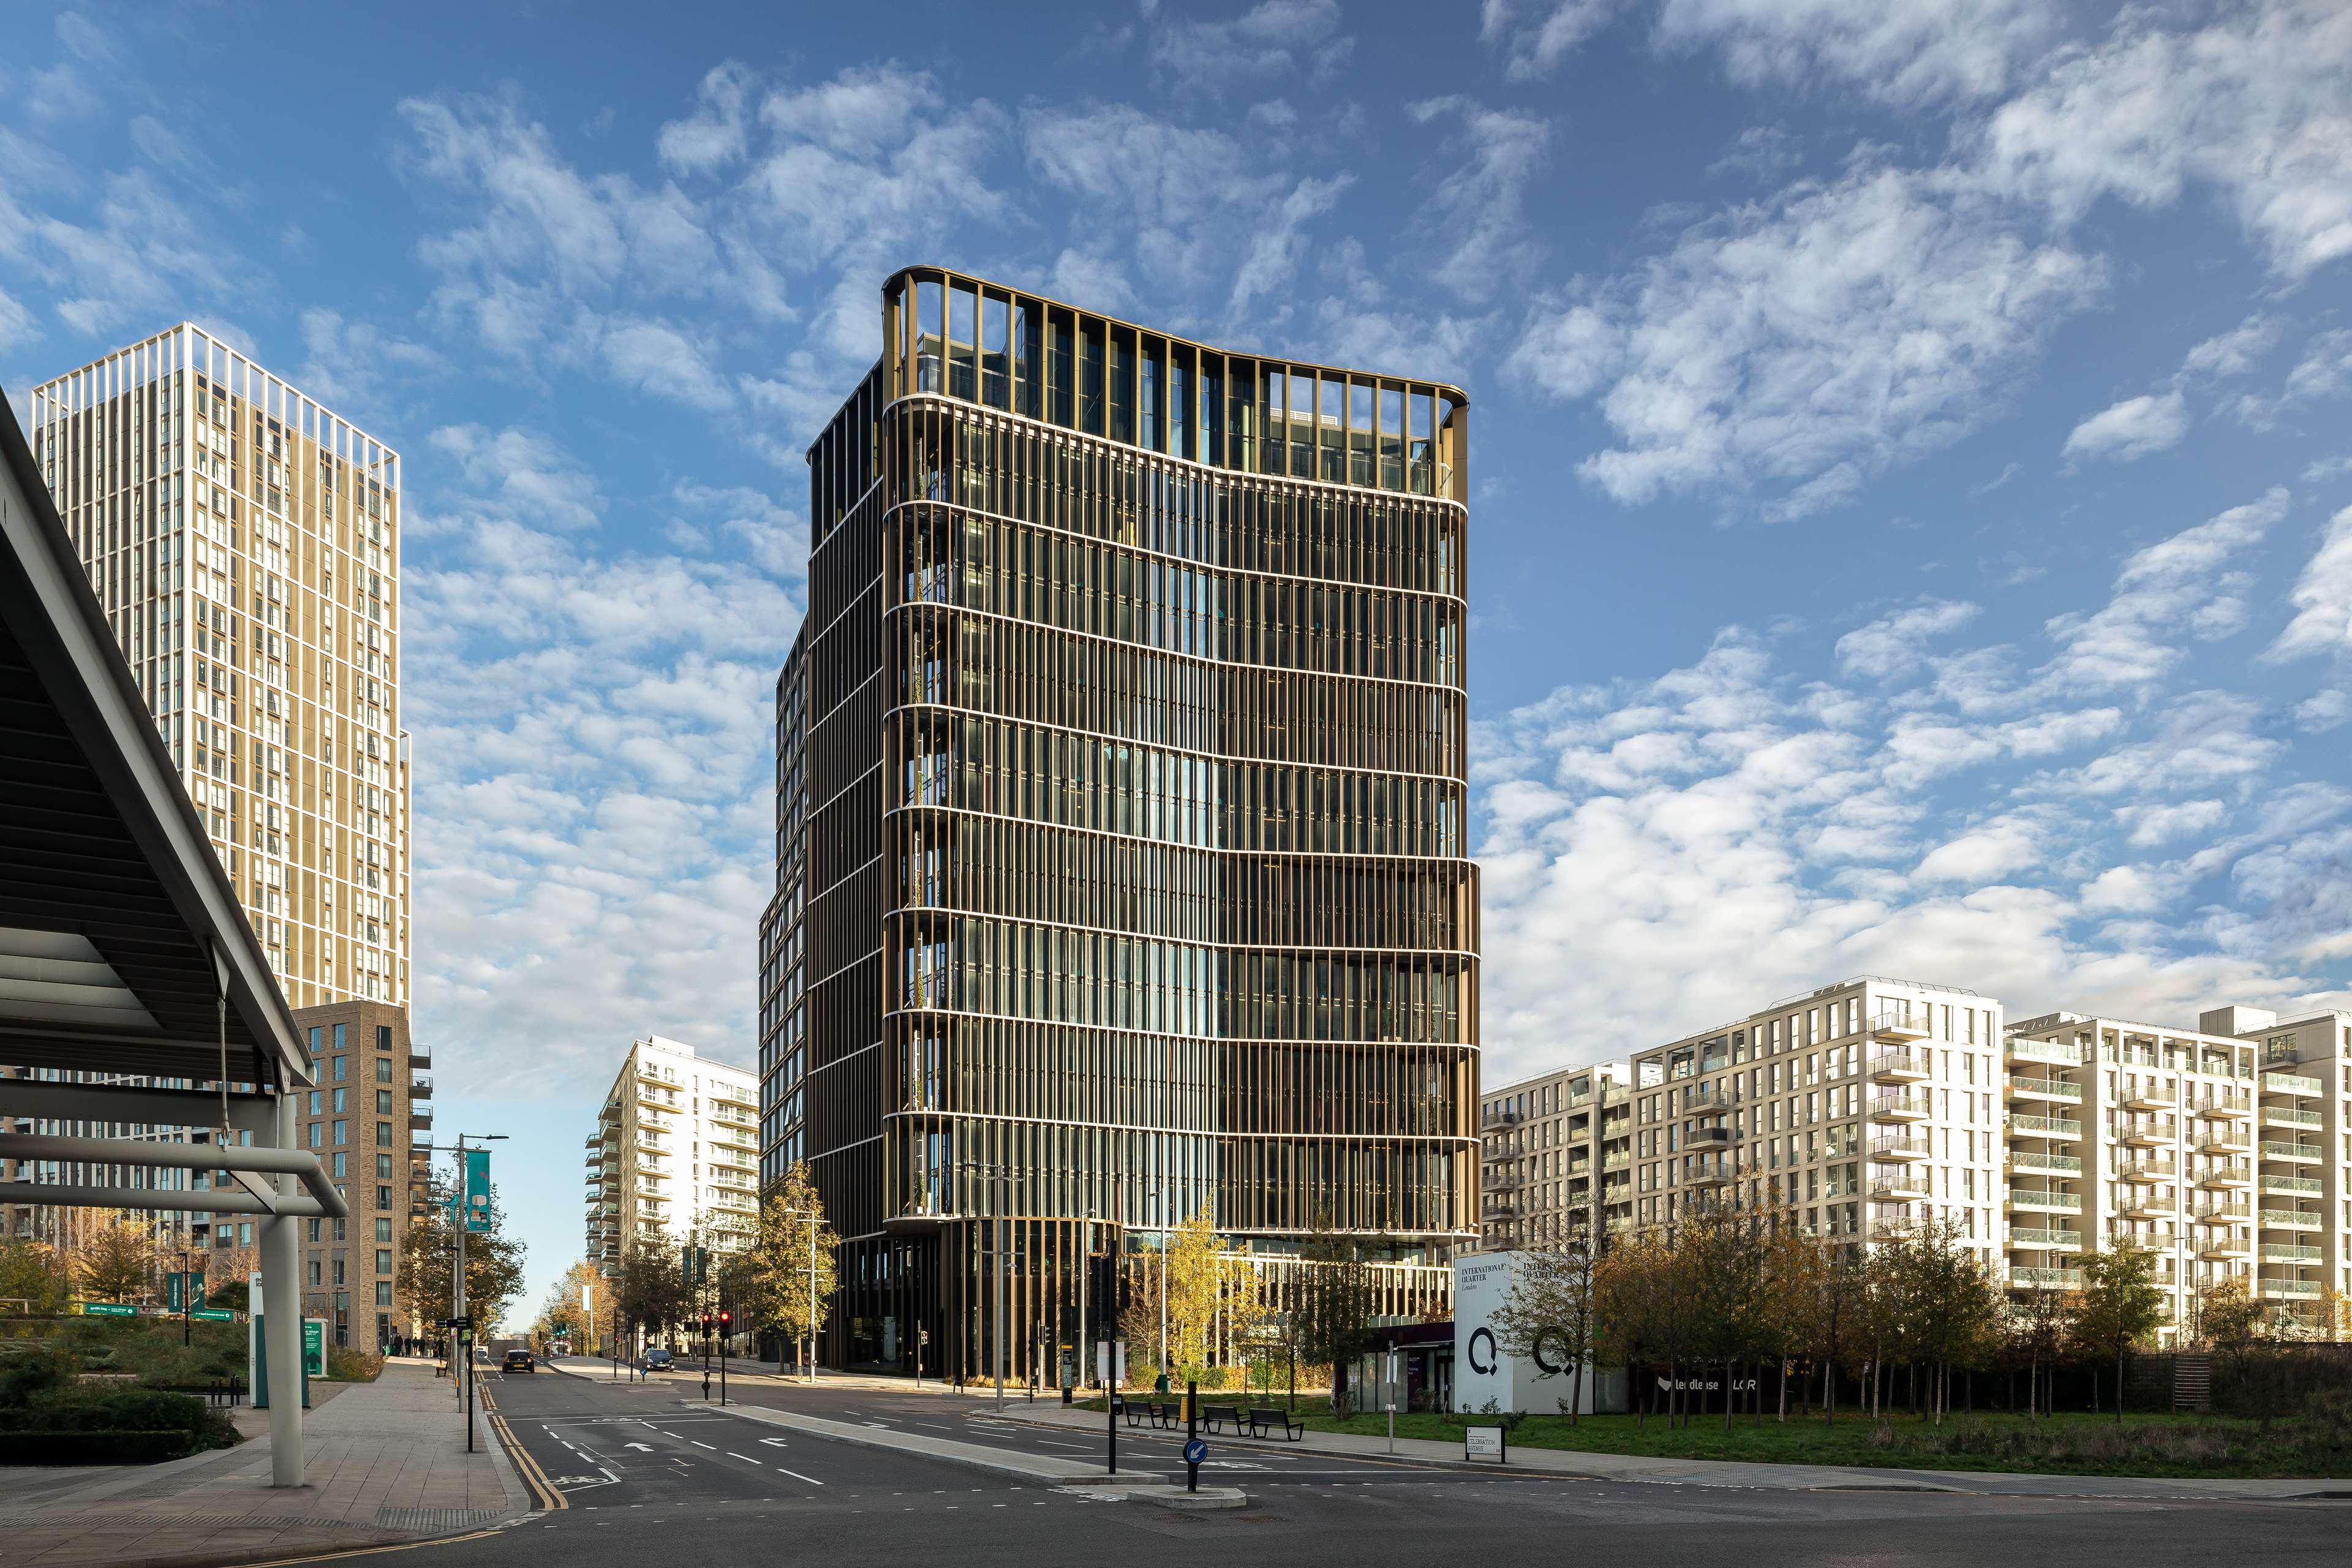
[(675, 1147), (1875, 1105), (2223, 1148), (244, 544)]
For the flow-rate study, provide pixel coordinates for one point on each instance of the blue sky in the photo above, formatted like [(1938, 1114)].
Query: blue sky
[(1912, 512)]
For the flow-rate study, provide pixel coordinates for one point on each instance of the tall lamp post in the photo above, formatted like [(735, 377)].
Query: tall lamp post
[(461, 1341)]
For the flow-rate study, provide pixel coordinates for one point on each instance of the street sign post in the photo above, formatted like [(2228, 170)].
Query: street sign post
[(1194, 1452), (109, 1309), (212, 1315), (478, 1189)]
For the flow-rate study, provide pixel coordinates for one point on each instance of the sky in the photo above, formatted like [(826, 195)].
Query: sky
[(1911, 526)]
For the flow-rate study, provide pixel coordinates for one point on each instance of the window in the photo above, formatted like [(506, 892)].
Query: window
[(314, 1272), (318, 1132), (384, 1292), (342, 1164), (384, 1132), (318, 1098), (340, 1064), (339, 1037), (342, 1131), (383, 1036), (339, 1104), (384, 1197), (383, 1102), (383, 1167), (383, 1069), (383, 1260)]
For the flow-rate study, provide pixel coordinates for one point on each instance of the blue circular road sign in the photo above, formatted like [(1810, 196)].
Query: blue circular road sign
[(1195, 1451)]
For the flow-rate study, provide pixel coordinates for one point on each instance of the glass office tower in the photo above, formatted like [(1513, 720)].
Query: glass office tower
[(1120, 814)]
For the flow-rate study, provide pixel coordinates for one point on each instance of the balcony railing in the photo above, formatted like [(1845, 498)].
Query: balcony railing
[(2226, 1143), (2149, 1170), (2152, 1097), (1899, 1107), (2288, 1287), (1892, 1027), (1899, 1065), (2294, 1219), (2223, 1106), (1900, 1189), (2045, 1126), (2055, 1164), (2048, 1052), (2221, 1214), (2281, 1116), (2291, 1083), (2311, 1153), (2280, 1252), (1902, 1148), (2277, 1183), (2036, 1198), (2047, 1278), (2048, 1240), (2045, 1088)]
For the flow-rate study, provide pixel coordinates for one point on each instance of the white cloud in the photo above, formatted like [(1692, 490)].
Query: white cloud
[(715, 133), (2324, 711), (1891, 644), (524, 474), (1807, 341), (1477, 214), (1981, 855), (1534, 39), (2256, 105), (349, 363), (2131, 429), (2322, 596), (1917, 53), (1270, 39), (2161, 822)]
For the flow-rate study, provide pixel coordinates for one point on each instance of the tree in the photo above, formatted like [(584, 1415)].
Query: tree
[(651, 1285), (576, 1307), (1332, 1313), (32, 1278), (1953, 1310), (1632, 1306), (2038, 1323), (493, 1265), (1549, 1309), (2121, 1304), (1207, 1281), (2229, 1318), (784, 1281), (117, 1263)]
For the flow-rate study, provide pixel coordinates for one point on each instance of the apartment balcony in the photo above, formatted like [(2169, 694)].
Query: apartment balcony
[(2287, 1116), (420, 1121), (2298, 1153), (2223, 1108), (2044, 1278), (2225, 1248), (2044, 1088), (1500, 1181), (2048, 1053), (2293, 1083), (1891, 1028), (2221, 1213), (1498, 1211), (1711, 1098), (1708, 1173), (2031, 1239), (1904, 1187), (1616, 1162), (2284, 1252), (2039, 1200), (420, 1086), (2151, 1097), (2147, 1135), (2217, 1178), (2294, 1219), (1899, 1107), (2146, 1203), (2149, 1171), (1898, 1148), (1888, 1228), (2228, 1140), (2043, 1126), (2286, 1289), (2270, 1182), (1708, 1138), (1501, 1119), (1899, 1067), (2047, 1164)]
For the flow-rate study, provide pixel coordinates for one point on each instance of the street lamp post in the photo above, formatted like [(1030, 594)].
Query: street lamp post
[(461, 1340)]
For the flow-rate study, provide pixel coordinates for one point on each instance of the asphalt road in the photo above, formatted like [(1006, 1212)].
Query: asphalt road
[(651, 1483)]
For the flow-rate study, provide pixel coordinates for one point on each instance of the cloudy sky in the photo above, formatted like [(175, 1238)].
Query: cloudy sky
[(1913, 502)]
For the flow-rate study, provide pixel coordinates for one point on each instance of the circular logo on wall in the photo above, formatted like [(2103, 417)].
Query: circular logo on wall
[(1482, 1344)]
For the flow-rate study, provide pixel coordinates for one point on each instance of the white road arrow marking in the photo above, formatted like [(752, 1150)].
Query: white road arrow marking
[(646, 1448), (775, 1442)]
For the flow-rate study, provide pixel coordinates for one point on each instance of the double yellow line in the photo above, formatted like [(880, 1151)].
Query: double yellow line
[(543, 1491)]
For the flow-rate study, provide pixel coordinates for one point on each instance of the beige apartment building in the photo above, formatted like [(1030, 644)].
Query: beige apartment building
[(676, 1146), (244, 543), (1875, 1105)]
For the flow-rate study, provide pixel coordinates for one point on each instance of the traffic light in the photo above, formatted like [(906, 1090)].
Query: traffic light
[(726, 1319), (706, 1323)]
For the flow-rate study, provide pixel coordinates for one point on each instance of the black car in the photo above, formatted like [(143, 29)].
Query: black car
[(659, 1360), (519, 1360)]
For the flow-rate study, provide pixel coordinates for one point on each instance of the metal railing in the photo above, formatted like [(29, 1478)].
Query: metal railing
[(2046, 1051), (2037, 1198), (2291, 1083)]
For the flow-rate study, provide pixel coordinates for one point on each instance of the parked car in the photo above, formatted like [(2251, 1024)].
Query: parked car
[(518, 1360), (659, 1360)]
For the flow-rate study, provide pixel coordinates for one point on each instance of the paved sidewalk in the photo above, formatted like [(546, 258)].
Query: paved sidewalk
[(1583, 1466), (385, 1461)]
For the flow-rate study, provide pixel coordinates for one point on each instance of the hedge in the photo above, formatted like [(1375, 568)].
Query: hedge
[(93, 1448)]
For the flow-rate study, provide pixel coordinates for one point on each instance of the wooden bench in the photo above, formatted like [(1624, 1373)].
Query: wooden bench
[(1266, 1423), (1215, 1417)]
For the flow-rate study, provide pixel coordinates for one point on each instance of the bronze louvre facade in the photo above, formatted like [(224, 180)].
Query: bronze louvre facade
[(1120, 824)]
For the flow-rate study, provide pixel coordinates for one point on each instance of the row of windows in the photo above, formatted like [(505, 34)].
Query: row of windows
[(975, 341), (1038, 675), (985, 865), (938, 453), (996, 1066), (1247, 1185), (1055, 580), (1080, 781), (960, 963)]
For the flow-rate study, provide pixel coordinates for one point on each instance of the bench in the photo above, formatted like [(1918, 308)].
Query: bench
[(1214, 1416), (1139, 1410), (1264, 1423)]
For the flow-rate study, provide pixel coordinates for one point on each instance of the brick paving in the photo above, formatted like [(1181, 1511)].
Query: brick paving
[(383, 1462)]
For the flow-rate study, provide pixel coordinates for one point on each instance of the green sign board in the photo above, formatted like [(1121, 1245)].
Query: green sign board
[(184, 1288), (109, 1309), (478, 1189), (212, 1315), (314, 1348)]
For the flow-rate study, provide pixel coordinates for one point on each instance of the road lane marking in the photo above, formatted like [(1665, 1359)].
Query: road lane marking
[(798, 1477)]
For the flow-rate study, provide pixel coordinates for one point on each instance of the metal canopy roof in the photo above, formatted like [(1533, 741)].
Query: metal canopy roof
[(113, 907)]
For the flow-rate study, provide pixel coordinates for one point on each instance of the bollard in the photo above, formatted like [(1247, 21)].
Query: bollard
[(1192, 1434), (1113, 1404)]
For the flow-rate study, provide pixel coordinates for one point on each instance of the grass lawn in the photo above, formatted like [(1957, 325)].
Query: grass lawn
[(2071, 1443)]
